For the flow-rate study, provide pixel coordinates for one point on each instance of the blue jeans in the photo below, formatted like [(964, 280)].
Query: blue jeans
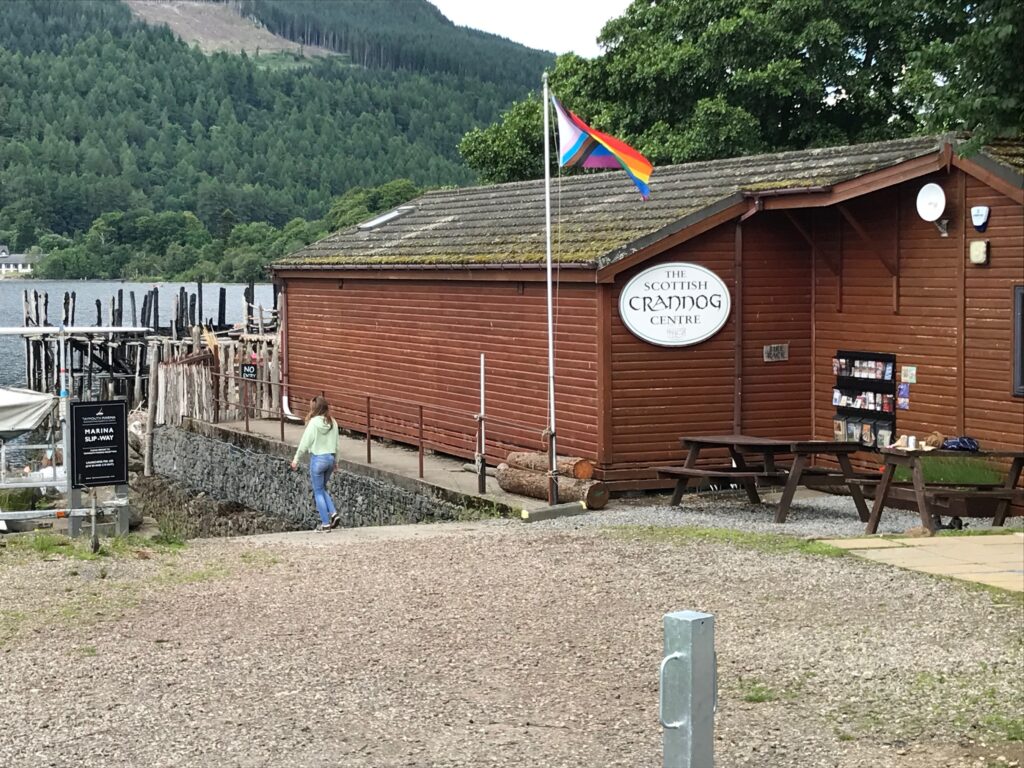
[(321, 467)]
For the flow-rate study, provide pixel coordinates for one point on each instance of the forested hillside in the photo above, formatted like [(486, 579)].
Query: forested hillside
[(401, 34), (102, 116)]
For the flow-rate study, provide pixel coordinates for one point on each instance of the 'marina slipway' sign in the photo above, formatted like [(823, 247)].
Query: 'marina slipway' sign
[(675, 305)]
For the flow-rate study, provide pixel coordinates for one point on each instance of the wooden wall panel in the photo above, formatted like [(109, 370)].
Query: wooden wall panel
[(923, 332), (776, 310), (990, 409), (414, 342), (954, 319), (660, 393)]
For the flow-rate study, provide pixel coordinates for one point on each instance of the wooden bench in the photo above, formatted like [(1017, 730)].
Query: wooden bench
[(684, 475), (768, 470), (927, 495)]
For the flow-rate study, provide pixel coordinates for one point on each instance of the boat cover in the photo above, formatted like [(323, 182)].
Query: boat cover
[(22, 410)]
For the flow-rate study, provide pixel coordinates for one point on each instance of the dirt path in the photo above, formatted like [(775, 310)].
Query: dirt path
[(485, 647)]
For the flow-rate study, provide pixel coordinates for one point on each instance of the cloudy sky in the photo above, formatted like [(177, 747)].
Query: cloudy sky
[(551, 25)]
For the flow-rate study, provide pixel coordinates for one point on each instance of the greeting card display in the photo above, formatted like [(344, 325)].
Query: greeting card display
[(884, 437), (839, 429), (864, 396)]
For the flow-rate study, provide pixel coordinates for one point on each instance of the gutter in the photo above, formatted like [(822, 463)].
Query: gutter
[(755, 193), (425, 267)]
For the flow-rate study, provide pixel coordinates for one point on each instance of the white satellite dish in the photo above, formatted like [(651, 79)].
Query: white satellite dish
[(931, 202)]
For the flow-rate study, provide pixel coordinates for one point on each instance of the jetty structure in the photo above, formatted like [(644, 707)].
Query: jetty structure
[(119, 358)]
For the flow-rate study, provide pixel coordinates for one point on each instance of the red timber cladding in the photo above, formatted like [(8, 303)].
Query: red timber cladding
[(946, 309), (855, 312), (414, 342), (776, 310), (991, 412), (659, 394)]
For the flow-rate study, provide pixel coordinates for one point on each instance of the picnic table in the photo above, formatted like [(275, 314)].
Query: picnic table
[(751, 472), (927, 494)]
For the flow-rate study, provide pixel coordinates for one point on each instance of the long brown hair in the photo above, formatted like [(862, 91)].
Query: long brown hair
[(319, 406)]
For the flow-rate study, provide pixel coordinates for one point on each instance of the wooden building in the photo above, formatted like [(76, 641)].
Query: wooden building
[(820, 251)]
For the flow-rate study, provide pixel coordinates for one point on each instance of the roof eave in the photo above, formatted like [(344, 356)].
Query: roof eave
[(999, 176), (275, 268), (689, 226)]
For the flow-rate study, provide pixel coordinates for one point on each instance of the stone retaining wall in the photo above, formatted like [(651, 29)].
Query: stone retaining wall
[(252, 472)]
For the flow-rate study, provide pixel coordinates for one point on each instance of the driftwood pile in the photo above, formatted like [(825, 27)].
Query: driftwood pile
[(527, 475)]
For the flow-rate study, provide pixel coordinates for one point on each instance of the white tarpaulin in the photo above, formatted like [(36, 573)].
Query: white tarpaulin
[(22, 410)]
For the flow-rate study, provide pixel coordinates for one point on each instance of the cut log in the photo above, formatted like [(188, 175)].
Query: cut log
[(570, 466), (593, 493)]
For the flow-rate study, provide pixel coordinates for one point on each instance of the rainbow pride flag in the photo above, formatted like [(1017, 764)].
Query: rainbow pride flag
[(581, 146)]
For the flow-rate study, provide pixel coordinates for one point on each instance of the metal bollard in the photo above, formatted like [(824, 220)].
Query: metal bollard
[(688, 690)]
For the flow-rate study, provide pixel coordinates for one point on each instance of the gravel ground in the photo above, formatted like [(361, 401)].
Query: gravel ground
[(816, 515), (491, 646)]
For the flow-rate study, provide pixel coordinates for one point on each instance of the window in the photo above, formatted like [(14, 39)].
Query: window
[(1018, 340)]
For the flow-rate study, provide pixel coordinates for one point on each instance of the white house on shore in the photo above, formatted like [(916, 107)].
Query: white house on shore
[(15, 264)]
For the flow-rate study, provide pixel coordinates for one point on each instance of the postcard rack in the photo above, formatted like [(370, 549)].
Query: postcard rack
[(864, 396)]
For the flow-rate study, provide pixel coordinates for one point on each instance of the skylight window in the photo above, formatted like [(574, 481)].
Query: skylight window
[(386, 217)]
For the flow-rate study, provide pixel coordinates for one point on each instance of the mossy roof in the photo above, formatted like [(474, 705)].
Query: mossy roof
[(1007, 152), (597, 218)]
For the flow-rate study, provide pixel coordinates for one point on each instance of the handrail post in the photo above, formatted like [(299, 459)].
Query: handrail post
[(280, 407), (368, 430), (421, 440), (481, 458), (215, 372), (245, 402), (552, 469)]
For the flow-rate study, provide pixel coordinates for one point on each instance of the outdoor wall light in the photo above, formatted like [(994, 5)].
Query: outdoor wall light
[(978, 251)]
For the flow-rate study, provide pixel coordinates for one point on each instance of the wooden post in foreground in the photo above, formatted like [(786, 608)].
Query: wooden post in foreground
[(154, 389)]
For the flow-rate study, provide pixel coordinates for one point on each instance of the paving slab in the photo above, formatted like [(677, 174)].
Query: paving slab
[(864, 543), (996, 560), (961, 541), (1010, 581)]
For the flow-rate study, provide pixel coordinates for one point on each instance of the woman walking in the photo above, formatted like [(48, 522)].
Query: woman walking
[(320, 441)]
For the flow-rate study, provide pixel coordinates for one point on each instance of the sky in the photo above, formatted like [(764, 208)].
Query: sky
[(559, 26)]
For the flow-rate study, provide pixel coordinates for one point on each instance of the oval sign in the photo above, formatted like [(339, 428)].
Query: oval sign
[(675, 305)]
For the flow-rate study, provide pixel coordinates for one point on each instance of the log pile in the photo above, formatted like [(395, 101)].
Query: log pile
[(526, 474)]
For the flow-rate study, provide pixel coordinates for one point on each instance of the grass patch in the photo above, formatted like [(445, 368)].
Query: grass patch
[(757, 692), (954, 469), (772, 543), (87, 650), (974, 532), (168, 540), (172, 576), (1007, 597), (10, 623), (45, 545), (175, 527), (259, 558), (1010, 728)]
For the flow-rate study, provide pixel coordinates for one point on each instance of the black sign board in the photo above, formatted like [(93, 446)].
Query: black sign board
[(99, 444), (248, 371)]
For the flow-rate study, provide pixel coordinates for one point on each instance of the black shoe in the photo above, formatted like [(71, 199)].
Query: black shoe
[(335, 520)]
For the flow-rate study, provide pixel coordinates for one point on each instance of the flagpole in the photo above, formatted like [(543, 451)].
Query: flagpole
[(552, 449)]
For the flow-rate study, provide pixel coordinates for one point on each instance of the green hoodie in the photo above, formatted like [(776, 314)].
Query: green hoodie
[(320, 437)]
